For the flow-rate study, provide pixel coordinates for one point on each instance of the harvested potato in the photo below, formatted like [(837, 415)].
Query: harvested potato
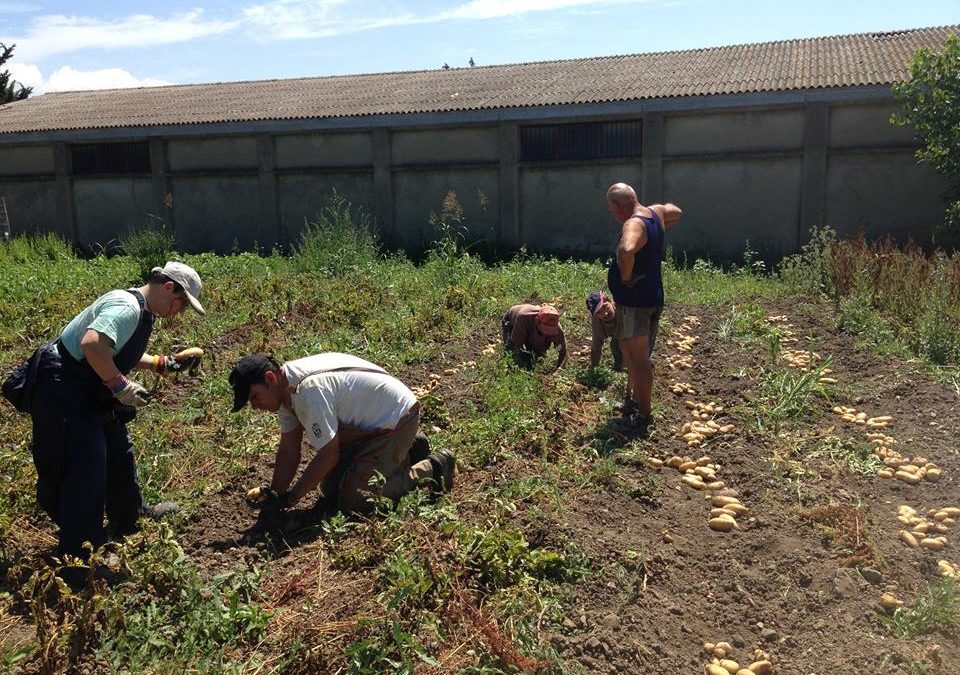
[(762, 667), (908, 539), (890, 601), (730, 666), (723, 523)]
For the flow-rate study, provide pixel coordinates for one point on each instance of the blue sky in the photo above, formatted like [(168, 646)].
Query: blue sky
[(100, 44)]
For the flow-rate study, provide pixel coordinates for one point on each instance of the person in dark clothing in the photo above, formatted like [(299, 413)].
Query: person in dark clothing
[(634, 278), (603, 314), (83, 401)]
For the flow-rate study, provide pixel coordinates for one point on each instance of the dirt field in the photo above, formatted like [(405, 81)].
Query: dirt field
[(802, 577)]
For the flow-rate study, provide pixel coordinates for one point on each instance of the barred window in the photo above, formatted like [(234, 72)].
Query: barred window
[(585, 140), (110, 158)]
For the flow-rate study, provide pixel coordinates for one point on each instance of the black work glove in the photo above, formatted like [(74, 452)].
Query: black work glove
[(184, 361), (265, 497)]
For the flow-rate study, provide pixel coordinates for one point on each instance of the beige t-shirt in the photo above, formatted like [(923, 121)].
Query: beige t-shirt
[(323, 401)]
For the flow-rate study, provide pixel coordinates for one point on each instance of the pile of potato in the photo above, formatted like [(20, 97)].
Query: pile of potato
[(848, 414), (683, 343), (425, 389), (724, 511), (948, 569), (909, 471), (927, 532), (723, 665), (490, 349), (704, 427), (679, 361), (801, 359), (697, 433), (681, 388), (700, 474)]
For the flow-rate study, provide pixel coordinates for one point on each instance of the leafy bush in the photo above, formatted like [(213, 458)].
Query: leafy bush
[(151, 246), (340, 242)]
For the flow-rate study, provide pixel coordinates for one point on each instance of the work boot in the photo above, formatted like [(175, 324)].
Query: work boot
[(420, 449), (160, 510), (635, 424), (444, 466)]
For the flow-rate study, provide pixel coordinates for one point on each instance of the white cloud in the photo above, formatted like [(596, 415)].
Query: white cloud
[(26, 74), (491, 9), (66, 78), (298, 19), (58, 34)]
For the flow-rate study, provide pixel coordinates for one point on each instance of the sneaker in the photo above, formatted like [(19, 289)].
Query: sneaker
[(420, 449), (444, 466), (160, 510)]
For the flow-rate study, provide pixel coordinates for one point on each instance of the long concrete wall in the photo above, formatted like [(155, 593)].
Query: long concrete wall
[(762, 175)]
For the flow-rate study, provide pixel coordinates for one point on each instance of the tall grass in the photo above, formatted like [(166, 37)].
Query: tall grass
[(340, 241), (885, 292)]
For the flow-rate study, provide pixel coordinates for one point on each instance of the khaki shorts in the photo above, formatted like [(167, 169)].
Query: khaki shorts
[(638, 321), (386, 453)]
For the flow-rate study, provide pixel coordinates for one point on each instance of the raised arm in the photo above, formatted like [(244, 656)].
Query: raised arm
[(669, 213)]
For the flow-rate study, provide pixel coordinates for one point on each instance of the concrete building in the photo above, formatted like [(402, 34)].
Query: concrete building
[(756, 142)]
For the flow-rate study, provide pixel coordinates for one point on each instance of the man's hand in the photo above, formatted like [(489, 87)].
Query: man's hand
[(265, 497), (187, 360), (132, 394)]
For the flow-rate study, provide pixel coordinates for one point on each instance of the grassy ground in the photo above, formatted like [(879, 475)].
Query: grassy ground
[(472, 583)]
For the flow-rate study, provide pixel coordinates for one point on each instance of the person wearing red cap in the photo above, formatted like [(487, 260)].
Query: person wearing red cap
[(530, 330)]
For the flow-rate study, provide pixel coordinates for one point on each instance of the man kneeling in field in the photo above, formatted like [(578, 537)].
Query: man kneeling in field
[(361, 421)]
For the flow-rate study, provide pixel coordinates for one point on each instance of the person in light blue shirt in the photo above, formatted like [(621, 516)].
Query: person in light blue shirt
[(83, 399)]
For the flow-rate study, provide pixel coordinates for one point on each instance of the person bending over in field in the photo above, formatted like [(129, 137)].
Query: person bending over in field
[(529, 330), (603, 325), (361, 422)]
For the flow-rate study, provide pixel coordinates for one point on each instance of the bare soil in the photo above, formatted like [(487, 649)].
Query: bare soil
[(806, 593)]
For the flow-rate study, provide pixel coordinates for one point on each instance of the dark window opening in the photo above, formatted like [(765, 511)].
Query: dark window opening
[(587, 140), (110, 158)]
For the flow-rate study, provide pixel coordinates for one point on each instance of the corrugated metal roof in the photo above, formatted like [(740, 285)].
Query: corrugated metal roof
[(841, 61)]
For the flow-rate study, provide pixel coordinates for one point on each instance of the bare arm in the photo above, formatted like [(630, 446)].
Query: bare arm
[(633, 238), (596, 343), (288, 459), (562, 356), (96, 350), (319, 467), (669, 213)]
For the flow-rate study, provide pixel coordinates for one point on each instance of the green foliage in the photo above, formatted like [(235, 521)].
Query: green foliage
[(390, 648), (786, 395), (150, 246), (503, 557), (854, 455), (808, 272), (931, 105), (936, 611), (10, 89), (339, 242)]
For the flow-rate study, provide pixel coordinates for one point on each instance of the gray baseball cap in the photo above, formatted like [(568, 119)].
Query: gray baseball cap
[(187, 277)]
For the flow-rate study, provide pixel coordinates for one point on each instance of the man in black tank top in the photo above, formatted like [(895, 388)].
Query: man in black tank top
[(635, 282)]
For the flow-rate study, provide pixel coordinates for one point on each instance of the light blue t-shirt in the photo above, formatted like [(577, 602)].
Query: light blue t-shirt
[(114, 314)]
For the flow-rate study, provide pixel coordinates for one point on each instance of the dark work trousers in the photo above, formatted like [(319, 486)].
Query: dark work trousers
[(84, 459), (81, 449)]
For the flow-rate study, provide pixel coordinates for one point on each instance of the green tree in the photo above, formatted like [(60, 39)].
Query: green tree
[(10, 89), (931, 105)]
